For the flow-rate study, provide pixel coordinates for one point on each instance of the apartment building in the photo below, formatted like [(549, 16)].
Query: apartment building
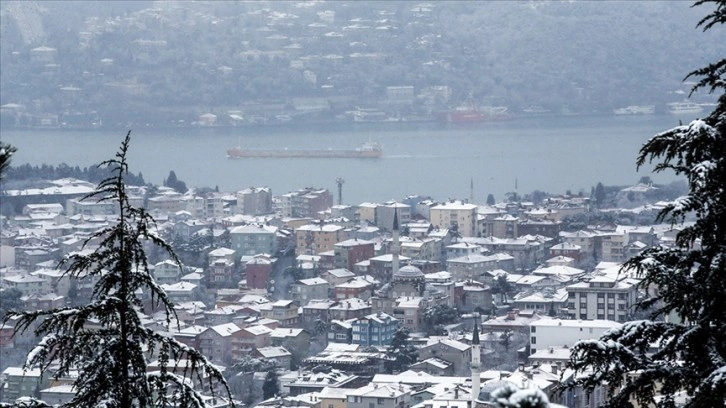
[(546, 332), (27, 284), (307, 202), (385, 213), (166, 272), (613, 246), (375, 329), (313, 239), (254, 201), (456, 214), (380, 396), (253, 239), (351, 251), (305, 290), (602, 297)]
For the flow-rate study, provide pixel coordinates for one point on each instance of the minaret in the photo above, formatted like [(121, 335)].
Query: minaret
[(475, 363), (471, 191), (395, 245)]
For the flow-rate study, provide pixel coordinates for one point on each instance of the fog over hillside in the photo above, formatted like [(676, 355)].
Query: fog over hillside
[(164, 62)]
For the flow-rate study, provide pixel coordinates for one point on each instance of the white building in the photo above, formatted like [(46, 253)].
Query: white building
[(546, 333), (607, 296), (458, 214), (380, 396)]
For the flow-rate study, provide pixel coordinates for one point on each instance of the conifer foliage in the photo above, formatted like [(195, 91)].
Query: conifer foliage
[(687, 280), (105, 340), (401, 353), (6, 152)]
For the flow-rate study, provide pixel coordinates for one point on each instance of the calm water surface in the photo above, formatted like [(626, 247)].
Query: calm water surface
[(553, 154)]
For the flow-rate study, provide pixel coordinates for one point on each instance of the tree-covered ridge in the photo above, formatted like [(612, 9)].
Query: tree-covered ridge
[(105, 340), (684, 284), (173, 61), (25, 174)]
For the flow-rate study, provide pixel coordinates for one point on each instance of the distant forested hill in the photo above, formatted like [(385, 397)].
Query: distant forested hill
[(158, 61)]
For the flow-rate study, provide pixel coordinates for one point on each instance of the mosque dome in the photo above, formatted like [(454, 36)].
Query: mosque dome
[(409, 272)]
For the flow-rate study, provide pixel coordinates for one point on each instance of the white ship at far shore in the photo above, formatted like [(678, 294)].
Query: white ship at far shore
[(635, 110), (684, 108)]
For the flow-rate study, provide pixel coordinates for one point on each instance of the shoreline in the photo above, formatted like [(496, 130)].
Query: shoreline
[(332, 125)]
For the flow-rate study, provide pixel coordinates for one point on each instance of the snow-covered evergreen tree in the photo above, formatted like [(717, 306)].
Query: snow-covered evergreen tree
[(6, 152), (401, 353), (688, 280), (104, 341)]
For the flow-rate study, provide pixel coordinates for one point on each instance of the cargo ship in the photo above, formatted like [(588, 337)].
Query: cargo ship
[(368, 150)]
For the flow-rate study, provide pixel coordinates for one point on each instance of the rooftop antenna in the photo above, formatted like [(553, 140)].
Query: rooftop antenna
[(339, 181)]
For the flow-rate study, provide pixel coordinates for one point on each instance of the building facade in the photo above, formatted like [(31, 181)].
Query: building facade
[(374, 330)]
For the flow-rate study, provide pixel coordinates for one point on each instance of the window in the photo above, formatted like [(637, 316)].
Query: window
[(380, 401), (534, 329), (533, 340)]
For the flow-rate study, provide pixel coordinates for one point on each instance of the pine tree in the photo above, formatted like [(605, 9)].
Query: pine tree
[(6, 152), (688, 280), (599, 194), (490, 200), (401, 352), (270, 388), (105, 340), (9, 300)]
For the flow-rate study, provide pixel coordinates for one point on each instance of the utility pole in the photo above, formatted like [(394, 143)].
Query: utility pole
[(339, 181)]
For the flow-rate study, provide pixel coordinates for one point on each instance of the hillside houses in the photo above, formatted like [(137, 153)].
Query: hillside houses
[(292, 289)]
